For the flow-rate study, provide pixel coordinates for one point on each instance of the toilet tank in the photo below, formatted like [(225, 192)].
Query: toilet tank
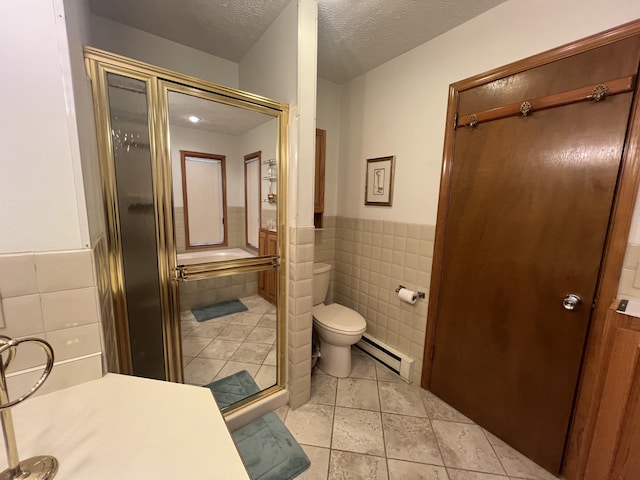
[(321, 276)]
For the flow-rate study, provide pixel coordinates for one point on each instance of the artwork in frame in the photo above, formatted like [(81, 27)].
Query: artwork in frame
[(378, 188)]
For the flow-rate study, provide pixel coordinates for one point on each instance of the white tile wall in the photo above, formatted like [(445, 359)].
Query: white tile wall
[(300, 321), (75, 342), (373, 257), (18, 275), (69, 308), (52, 295), (64, 270), (64, 374)]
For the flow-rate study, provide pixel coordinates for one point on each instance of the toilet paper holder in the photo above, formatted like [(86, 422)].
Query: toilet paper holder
[(420, 294)]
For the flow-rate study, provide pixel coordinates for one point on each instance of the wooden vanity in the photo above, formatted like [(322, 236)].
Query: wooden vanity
[(267, 245)]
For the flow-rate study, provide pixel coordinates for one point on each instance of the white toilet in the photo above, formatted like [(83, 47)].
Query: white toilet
[(337, 326)]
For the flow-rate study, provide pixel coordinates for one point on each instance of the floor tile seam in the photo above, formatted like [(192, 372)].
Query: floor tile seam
[(418, 463), (435, 436), (357, 408), (323, 448), (484, 433), (203, 348), (358, 453), (404, 414), (362, 409), (384, 439), (481, 472), (333, 422)]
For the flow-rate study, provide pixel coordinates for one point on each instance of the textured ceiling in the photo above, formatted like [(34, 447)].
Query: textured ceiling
[(225, 28), (354, 36), (214, 117)]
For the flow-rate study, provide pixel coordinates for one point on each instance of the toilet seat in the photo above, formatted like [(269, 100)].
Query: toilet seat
[(338, 318)]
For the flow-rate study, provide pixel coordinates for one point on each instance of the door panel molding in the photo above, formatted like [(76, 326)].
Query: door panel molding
[(593, 368), (584, 94), (618, 419)]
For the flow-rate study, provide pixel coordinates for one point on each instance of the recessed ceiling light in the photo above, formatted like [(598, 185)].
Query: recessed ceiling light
[(193, 119)]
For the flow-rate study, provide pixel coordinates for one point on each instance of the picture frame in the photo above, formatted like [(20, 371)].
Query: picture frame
[(378, 189)]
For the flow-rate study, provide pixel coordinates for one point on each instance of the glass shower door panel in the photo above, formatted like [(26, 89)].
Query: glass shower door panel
[(134, 183)]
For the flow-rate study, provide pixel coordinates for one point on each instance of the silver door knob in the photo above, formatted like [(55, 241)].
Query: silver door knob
[(571, 302)]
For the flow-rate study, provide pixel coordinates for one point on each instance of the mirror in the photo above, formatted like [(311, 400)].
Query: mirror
[(225, 174)]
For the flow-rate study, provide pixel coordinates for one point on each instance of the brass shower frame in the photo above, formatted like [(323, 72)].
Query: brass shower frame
[(159, 82)]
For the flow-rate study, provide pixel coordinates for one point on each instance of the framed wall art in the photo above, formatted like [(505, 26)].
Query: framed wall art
[(378, 188)]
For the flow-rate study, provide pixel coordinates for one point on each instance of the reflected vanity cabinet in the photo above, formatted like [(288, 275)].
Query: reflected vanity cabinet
[(267, 245)]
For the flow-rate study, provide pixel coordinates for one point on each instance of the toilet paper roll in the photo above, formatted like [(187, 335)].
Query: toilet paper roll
[(407, 295)]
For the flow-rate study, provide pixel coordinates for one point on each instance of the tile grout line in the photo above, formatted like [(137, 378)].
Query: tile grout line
[(494, 450), (384, 440), (333, 421), (435, 436)]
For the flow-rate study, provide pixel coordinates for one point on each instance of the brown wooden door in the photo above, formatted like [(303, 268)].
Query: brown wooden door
[(529, 208)]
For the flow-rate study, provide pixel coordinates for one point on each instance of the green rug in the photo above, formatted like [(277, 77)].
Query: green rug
[(233, 388), (269, 451), (219, 309)]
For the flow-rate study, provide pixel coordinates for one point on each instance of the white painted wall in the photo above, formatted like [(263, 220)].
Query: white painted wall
[(399, 108), (306, 128), (77, 20), (328, 118), (270, 67), (207, 142), (282, 66), (41, 193), (122, 39)]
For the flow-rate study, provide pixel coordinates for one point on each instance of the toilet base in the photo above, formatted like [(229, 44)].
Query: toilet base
[(335, 360)]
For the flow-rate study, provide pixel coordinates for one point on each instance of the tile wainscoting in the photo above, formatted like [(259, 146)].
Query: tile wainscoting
[(373, 257), (54, 296), (219, 289), (299, 319), (325, 250)]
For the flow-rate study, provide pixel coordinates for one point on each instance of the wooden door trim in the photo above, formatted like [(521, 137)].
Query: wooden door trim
[(593, 367), (248, 158)]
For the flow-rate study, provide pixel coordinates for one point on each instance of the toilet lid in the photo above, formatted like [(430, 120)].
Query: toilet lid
[(339, 317)]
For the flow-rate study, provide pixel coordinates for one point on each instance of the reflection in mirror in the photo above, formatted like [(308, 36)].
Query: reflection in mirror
[(228, 322), (201, 125), (204, 198), (228, 338)]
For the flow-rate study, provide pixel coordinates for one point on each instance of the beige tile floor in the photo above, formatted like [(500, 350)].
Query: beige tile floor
[(373, 426), (222, 346)]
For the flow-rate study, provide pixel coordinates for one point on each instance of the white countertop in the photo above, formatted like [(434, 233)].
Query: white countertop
[(121, 427)]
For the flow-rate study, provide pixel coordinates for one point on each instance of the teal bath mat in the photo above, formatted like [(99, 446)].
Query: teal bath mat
[(269, 451), (233, 388), (217, 310)]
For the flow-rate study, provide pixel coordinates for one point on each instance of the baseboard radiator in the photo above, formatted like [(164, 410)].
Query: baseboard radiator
[(397, 361)]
